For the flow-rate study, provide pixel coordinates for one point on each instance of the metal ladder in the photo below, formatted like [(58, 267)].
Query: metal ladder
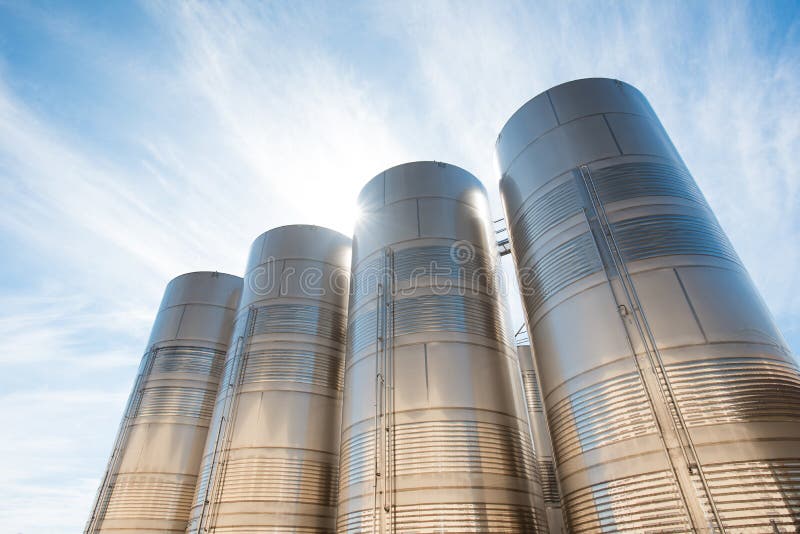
[(219, 460), (383, 489), (131, 411)]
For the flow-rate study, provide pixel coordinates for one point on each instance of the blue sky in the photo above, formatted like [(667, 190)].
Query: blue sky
[(139, 141)]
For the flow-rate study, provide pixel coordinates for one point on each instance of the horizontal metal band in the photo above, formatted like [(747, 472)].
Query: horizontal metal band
[(448, 517), (565, 264), (444, 447), (301, 366), (729, 390), (292, 480), (459, 264), (202, 478), (449, 313), (543, 213), (533, 396), (649, 502), (300, 319), (666, 235), (365, 281), (275, 528), (645, 179), (227, 372), (598, 415), (547, 471), (177, 401), (433, 313), (195, 360), (363, 331), (147, 496), (756, 496)]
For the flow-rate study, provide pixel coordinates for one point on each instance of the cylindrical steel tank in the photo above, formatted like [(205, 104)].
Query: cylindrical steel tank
[(434, 431), (271, 459), (673, 401), (151, 476), (541, 440)]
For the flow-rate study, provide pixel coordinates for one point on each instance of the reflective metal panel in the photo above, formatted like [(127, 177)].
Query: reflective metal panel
[(271, 459), (435, 437), (672, 399), (542, 442), (153, 469)]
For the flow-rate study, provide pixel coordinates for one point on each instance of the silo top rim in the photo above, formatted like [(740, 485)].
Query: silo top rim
[(555, 88), (290, 227), (420, 163), (210, 273)]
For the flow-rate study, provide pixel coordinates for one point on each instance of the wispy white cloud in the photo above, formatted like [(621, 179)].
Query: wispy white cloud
[(50, 438), (731, 107)]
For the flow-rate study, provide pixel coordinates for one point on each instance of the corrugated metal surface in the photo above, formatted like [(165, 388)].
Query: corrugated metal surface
[(558, 268), (603, 413), (542, 212), (300, 319), (729, 390), (757, 497), (302, 366), (449, 517), (664, 235), (645, 179), (652, 503)]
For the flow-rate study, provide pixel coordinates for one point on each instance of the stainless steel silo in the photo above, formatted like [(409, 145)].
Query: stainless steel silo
[(271, 459), (542, 443), (673, 401), (151, 476), (435, 437)]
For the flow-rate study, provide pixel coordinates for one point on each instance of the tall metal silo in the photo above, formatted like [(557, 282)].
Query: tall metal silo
[(151, 476), (673, 401), (541, 440), (434, 431), (271, 459)]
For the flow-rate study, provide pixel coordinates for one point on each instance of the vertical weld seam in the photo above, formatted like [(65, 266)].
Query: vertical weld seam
[(427, 388), (261, 252), (691, 306), (280, 284), (419, 224), (611, 131), (177, 330), (555, 114)]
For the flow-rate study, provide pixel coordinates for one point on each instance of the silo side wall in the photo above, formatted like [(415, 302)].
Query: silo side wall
[(434, 430), (542, 443), (271, 459), (672, 398), (155, 465)]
